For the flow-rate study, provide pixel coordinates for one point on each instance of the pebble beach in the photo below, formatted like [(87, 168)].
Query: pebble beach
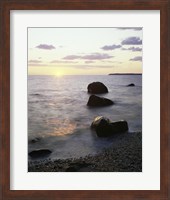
[(124, 155)]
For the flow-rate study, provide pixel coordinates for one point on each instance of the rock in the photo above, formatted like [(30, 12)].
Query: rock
[(131, 85), (119, 126), (97, 88), (99, 101), (97, 121), (105, 128), (37, 139), (40, 153)]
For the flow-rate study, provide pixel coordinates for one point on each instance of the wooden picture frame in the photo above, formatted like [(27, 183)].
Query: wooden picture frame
[(5, 7)]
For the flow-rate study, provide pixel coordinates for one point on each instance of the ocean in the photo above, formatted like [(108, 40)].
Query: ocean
[(59, 119)]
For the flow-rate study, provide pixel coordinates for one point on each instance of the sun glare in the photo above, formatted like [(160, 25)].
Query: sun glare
[(59, 74)]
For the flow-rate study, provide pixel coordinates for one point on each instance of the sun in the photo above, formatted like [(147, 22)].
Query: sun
[(59, 73)]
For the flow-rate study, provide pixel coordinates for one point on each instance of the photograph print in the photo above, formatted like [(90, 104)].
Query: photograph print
[(84, 99)]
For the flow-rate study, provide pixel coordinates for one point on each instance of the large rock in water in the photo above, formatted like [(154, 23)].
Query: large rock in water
[(104, 127), (98, 120), (131, 85), (97, 88), (96, 101), (40, 153)]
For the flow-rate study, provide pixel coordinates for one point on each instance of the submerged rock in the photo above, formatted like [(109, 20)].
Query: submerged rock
[(99, 101), (131, 85), (40, 153), (104, 127), (34, 140), (97, 88)]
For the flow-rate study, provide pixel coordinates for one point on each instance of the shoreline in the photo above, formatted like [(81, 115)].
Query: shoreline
[(124, 155)]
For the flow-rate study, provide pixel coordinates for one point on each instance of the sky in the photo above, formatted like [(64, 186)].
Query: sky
[(84, 51)]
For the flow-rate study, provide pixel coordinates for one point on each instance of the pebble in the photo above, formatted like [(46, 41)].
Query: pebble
[(125, 155)]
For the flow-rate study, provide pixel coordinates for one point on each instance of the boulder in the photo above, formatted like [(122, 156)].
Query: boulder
[(119, 126), (40, 153), (96, 101), (131, 85), (97, 88), (105, 128), (98, 120)]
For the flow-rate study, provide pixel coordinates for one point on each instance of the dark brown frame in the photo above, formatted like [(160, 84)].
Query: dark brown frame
[(5, 7)]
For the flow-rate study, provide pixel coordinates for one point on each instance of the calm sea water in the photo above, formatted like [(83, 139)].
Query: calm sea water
[(59, 119)]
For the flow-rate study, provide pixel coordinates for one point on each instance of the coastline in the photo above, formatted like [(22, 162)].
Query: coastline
[(124, 155)]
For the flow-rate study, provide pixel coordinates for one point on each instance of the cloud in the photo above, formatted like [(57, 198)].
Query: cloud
[(132, 41), (71, 57), (111, 47), (93, 56), (34, 61), (108, 61), (89, 61), (37, 65), (130, 28), (133, 48), (137, 58), (45, 46), (62, 61), (92, 66), (97, 56)]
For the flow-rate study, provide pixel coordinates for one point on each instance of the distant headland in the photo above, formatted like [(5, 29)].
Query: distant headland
[(125, 74)]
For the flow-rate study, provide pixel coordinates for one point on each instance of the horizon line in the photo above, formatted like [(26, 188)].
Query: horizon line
[(86, 74)]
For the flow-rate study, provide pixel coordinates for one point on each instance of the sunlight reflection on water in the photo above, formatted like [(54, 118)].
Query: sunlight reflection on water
[(61, 127)]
